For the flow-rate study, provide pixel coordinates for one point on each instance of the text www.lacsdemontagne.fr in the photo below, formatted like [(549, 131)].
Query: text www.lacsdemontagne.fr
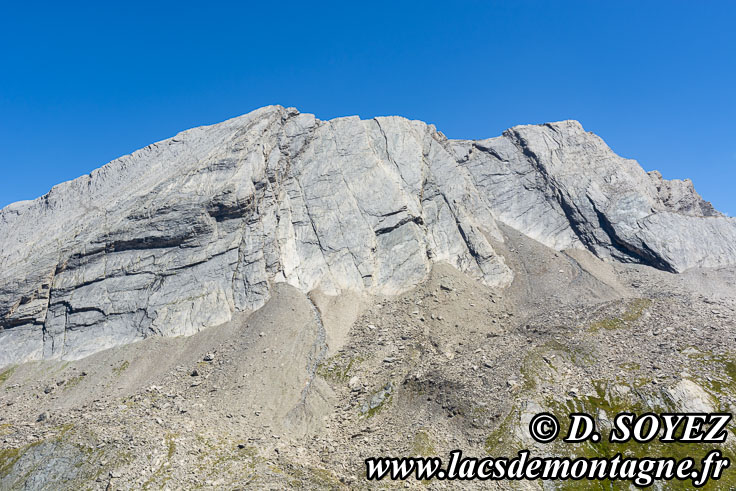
[(641, 471)]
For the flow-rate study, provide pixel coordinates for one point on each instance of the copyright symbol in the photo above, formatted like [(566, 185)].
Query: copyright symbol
[(544, 427)]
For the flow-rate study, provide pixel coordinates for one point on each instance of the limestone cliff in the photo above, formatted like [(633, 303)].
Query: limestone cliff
[(180, 235)]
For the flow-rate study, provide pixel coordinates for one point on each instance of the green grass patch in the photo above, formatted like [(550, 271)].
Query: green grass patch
[(73, 382), (422, 445), (118, 370), (539, 363), (337, 369), (6, 374), (500, 442), (306, 477), (375, 410), (170, 445), (633, 312)]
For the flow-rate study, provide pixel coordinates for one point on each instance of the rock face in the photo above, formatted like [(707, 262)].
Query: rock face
[(182, 234)]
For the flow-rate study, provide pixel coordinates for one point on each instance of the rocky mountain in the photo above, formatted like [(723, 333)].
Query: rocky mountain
[(267, 302), (188, 232)]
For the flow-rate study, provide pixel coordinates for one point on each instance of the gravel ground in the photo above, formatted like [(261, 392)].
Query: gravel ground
[(299, 393)]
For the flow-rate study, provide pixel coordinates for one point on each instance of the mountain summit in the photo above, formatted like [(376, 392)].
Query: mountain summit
[(183, 234)]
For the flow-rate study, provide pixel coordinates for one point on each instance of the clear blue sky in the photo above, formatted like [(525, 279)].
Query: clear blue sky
[(81, 84)]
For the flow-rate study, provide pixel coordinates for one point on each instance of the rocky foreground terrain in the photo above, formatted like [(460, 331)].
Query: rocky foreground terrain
[(266, 302)]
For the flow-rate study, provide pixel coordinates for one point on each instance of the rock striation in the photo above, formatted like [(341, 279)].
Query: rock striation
[(184, 233)]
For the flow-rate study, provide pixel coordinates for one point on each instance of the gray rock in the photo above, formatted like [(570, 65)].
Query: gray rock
[(687, 396), (564, 187), (377, 399), (354, 384), (182, 234), (51, 464)]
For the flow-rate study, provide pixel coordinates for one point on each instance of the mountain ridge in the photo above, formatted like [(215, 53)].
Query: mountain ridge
[(180, 235)]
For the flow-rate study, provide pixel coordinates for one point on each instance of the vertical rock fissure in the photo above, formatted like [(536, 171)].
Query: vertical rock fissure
[(317, 353)]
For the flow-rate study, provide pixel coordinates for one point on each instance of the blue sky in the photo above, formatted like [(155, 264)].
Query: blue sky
[(81, 84)]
